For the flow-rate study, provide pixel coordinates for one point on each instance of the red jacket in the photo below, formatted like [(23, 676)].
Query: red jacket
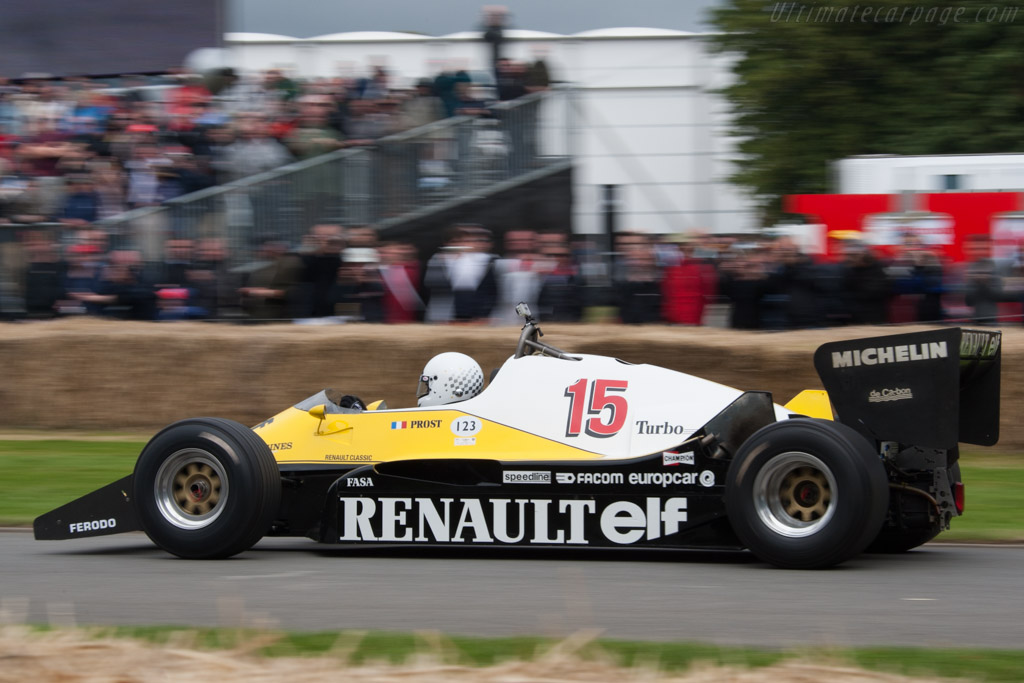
[(685, 290)]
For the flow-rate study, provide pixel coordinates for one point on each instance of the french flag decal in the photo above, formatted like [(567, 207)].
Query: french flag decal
[(399, 425)]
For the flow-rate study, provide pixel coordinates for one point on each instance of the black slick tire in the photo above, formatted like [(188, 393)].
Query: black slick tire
[(806, 493), (206, 488)]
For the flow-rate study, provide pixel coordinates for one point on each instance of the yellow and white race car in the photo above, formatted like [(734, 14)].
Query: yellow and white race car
[(575, 450)]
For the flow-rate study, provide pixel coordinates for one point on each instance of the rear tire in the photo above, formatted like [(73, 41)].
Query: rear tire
[(806, 493), (206, 488)]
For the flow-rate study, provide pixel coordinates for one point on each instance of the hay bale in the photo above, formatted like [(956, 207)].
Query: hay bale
[(105, 375)]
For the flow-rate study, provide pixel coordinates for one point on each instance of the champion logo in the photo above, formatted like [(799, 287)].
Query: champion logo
[(670, 458), (399, 425)]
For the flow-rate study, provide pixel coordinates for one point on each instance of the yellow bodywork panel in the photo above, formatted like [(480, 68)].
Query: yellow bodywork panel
[(297, 437), (812, 403)]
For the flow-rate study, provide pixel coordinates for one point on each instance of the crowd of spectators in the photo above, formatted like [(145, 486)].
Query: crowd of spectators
[(348, 274), (77, 150)]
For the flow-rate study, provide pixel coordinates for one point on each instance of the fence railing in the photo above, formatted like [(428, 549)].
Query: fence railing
[(396, 175)]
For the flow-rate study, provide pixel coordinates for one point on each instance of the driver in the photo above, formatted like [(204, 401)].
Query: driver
[(449, 378)]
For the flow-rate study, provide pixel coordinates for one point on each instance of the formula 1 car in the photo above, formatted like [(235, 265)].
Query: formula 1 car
[(574, 450)]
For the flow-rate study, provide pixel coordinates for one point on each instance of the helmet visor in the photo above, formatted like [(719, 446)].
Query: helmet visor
[(423, 388)]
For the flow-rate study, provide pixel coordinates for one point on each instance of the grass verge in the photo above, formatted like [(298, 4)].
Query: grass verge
[(363, 648)]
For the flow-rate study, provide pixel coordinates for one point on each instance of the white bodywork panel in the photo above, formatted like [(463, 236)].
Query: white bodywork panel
[(541, 395)]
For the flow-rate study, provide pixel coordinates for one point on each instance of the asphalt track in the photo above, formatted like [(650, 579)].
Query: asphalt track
[(939, 595)]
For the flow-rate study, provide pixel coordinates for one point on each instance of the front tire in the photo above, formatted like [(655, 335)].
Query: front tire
[(206, 488), (806, 494)]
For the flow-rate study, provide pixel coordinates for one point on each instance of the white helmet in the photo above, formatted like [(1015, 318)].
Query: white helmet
[(449, 378)]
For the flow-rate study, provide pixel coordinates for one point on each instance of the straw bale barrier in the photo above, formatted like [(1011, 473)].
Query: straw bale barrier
[(112, 376)]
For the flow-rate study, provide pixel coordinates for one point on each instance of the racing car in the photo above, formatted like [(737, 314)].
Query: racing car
[(565, 450)]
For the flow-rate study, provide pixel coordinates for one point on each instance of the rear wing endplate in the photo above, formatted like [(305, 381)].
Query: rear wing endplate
[(929, 389)]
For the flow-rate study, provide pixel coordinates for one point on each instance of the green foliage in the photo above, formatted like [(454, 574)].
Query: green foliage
[(816, 83)]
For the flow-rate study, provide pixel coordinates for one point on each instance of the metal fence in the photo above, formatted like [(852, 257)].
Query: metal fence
[(379, 184)]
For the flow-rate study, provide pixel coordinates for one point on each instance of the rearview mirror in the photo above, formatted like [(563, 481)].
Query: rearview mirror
[(318, 411)]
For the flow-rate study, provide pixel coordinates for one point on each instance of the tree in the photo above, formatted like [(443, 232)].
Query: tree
[(816, 83)]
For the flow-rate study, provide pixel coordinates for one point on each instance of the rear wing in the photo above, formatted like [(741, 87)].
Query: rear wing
[(928, 389)]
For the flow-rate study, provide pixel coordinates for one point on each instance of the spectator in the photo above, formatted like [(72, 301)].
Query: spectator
[(422, 153), (687, 287), (831, 274), (467, 103), (400, 277), (177, 263), (42, 152), (218, 141), (422, 108), (983, 283), (20, 199), (376, 87), (794, 281), (179, 174), (369, 120), (744, 281), (320, 268), (538, 76), (279, 87), (865, 286), (313, 135), (108, 183), (269, 293), (123, 291), (81, 202), (511, 79), (561, 290), (446, 88), (44, 276), (143, 181), (929, 285), (473, 278), (437, 279), (518, 276), (214, 285), (495, 17), (639, 285), (81, 276), (359, 292), (362, 238), (253, 150), (338, 113)]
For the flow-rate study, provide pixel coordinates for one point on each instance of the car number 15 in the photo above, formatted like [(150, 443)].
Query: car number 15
[(603, 394)]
